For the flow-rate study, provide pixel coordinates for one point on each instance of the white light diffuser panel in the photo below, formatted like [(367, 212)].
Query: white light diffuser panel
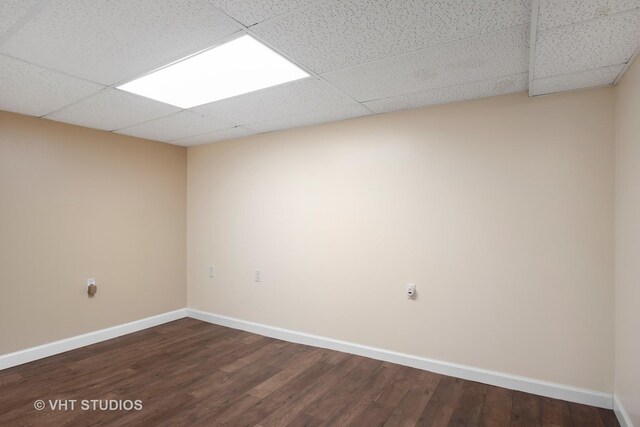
[(240, 66)]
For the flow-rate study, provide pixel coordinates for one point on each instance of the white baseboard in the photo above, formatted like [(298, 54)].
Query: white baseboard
[(56, 347), (529, 385), (623, 417)]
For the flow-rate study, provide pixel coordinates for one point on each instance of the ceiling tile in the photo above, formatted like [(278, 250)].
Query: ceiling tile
[(580, 80), (112, 109), (555, 13), (220, 135), (274, 102), (335, 34), (110, 41), (12, 11), (175, 126), (493, 55), (250, 12), (587, 46), (311, 118), (493, 87), (28, 89)]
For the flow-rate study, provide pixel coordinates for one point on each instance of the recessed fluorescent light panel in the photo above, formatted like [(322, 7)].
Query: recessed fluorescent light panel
[(240, 66)]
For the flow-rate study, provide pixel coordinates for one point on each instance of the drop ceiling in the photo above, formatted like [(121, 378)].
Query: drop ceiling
[(62, 59)]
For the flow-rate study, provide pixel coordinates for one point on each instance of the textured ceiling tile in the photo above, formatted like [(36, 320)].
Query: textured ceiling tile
[(12, 11), (493, 55), (501, 86), (335, 34), (250, 12), (278, 101), (587, 46), (179, 125), (28, 89), (109, 41), (580, 80), (112, 109), (311, 118), (220, 135), (555, 13)]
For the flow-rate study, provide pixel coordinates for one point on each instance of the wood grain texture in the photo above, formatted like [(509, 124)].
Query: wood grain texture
[(190, 372)]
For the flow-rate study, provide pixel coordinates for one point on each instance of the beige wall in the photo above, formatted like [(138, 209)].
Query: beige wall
[(500, 210), (627, 110), (78, 203)]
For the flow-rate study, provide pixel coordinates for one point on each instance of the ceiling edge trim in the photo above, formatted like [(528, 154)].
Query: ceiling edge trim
[(533, 36)]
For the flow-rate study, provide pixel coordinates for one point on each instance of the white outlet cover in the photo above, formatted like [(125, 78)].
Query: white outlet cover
[(411, 290), (91, 281)]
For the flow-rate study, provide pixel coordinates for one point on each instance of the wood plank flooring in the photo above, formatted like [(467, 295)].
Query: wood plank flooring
[(189, 372)]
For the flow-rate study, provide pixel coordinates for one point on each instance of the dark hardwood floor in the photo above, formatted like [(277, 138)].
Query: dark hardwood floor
[(189, 372)]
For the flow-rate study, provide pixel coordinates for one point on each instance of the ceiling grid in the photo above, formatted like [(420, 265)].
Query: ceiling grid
[(62, 60)]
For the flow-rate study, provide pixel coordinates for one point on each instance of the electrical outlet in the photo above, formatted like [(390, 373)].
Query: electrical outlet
[(257, 276), (212, 271), (411, 291), (91, 287)]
